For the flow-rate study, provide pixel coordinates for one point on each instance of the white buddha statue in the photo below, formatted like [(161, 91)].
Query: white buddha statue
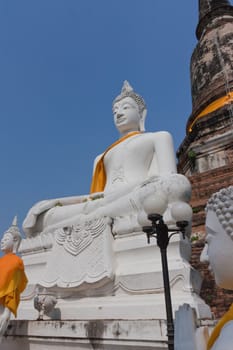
[(218, 251), (12, 277), (137, 164)]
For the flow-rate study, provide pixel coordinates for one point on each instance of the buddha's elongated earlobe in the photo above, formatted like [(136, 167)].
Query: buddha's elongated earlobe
[(142, 120)]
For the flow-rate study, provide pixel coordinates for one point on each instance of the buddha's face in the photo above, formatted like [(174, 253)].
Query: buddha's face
[(7, 243), (218, 251), (126, 115)]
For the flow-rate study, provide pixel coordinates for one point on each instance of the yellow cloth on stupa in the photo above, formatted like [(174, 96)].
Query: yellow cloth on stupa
[(12, 281), (213, 106), (228, 316), (99, 177)]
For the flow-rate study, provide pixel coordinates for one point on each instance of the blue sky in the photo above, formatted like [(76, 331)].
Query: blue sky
[(62, 62)]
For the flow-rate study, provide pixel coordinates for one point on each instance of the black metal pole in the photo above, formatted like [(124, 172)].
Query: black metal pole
[(160, 230), (167, 295), (162, 236)]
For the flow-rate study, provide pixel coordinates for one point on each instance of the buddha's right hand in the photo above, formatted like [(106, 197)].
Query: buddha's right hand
[(45, 205), (38, 209)]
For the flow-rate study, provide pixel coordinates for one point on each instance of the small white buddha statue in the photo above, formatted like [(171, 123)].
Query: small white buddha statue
[(218, 251), (137, 164), (12, 277)]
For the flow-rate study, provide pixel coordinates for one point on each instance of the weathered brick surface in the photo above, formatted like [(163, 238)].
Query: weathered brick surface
[(203, 186), (204, 132)]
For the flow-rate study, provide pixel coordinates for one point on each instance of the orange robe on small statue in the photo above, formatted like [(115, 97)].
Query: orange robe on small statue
[(13, 281)]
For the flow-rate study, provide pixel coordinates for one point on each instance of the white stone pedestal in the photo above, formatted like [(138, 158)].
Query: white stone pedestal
[(126, 312), (82, 335)]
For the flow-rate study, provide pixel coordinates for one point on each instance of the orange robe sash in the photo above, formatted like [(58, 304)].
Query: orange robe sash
[(99, 177), (217, 329), (12, 281)]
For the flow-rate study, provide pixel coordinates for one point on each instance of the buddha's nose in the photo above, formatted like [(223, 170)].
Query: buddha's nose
[(119, 114)]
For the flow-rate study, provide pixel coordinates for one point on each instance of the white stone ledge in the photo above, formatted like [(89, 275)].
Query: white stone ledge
[(94, 334)]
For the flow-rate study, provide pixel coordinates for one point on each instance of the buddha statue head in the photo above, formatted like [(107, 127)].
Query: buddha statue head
[(129, 110), (11, 238), (218, 250)]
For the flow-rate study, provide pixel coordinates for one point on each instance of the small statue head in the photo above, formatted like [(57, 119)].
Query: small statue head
[(219, 239), (130, 100), (11, 238)]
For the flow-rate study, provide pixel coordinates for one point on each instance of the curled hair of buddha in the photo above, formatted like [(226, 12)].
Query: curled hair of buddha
[(127, 91), (14, 231), (221, 203)]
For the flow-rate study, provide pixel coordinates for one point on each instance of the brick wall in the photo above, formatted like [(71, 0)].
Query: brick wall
[(203, 186)]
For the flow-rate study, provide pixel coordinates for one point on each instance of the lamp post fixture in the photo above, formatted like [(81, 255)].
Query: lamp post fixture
[(181, 212)]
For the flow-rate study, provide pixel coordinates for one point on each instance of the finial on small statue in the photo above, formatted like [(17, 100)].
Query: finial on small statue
[(14, 231), (14, 222)]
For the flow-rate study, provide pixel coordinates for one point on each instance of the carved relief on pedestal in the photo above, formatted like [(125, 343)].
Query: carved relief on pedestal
[(81, 254)]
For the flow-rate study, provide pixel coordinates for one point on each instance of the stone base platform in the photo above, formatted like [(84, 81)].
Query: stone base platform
[(127, 311), (83, 335)]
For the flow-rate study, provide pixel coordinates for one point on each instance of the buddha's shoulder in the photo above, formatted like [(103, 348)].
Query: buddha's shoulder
[(17, 259), (12, 260), (156, 134)]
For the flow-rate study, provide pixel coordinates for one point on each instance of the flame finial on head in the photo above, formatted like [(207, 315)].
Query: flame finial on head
[(126, 88)]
